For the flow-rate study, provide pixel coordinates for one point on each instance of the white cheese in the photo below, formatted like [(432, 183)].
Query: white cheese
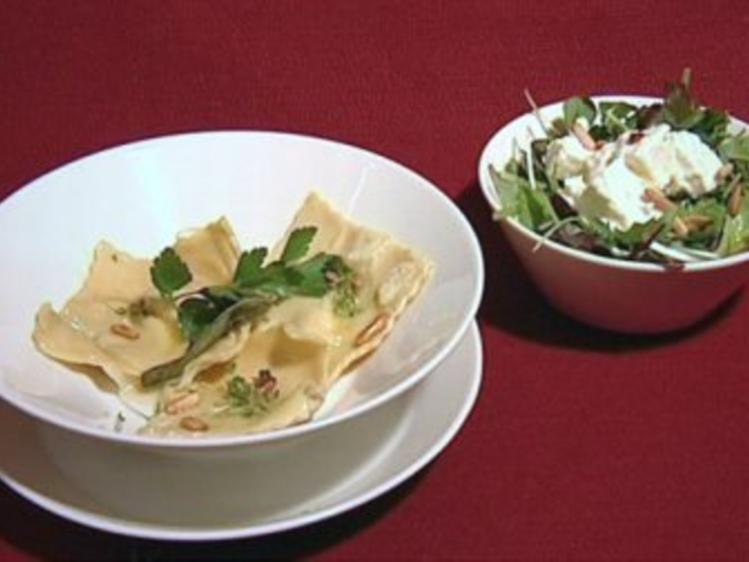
[(604, 196), (675, 161), (566, 157), (609, 183)]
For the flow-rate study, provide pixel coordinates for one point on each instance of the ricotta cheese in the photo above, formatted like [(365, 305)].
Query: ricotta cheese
[(609, 183)]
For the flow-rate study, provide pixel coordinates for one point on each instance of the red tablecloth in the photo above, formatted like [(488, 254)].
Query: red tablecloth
[(583, 444)]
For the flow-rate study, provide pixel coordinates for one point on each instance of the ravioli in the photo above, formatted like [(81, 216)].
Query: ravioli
[(94, 327), (303, 342), (390, 276), (258, 377)]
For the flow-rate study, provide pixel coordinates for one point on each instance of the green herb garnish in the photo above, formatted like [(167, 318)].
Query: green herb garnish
[(207, 315), (346, 291), (169, 273), (250, 266), (298, 244), (251, 398)]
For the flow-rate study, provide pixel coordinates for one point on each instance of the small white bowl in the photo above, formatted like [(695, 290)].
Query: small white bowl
[(623, 296), (138, 196)]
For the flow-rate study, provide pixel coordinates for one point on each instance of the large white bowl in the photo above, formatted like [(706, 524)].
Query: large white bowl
[(618, 295), (140, 195)]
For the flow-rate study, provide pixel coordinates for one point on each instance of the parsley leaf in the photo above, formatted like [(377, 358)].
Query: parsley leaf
[(195, 315), (221, 295), (313, 280), (298, 244), (169, 273), (250, 266), (238, 314), (276, 278)]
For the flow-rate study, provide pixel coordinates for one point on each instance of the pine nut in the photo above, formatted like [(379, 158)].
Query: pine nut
[(124, 331), (182, 403), (191, 423), (375, 328)]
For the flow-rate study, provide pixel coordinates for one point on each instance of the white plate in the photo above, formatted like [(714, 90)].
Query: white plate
[(111, 487), (139, 196)]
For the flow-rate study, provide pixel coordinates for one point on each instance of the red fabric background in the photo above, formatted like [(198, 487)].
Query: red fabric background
[(583, 445)]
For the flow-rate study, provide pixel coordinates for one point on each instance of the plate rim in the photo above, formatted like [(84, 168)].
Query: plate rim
[(125, 527), (418, 374)]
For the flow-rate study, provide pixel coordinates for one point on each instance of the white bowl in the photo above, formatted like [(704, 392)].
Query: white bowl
[(618, 295), (140, 195), (228, 494)]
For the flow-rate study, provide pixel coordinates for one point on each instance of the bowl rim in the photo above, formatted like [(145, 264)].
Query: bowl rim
[(185, 444), (490, 196)]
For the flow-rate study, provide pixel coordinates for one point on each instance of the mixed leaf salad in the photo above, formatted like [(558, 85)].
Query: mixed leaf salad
[(684, 226)]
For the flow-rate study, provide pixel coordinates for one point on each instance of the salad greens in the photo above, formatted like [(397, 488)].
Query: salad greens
[(208, 314), (711, 226)]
